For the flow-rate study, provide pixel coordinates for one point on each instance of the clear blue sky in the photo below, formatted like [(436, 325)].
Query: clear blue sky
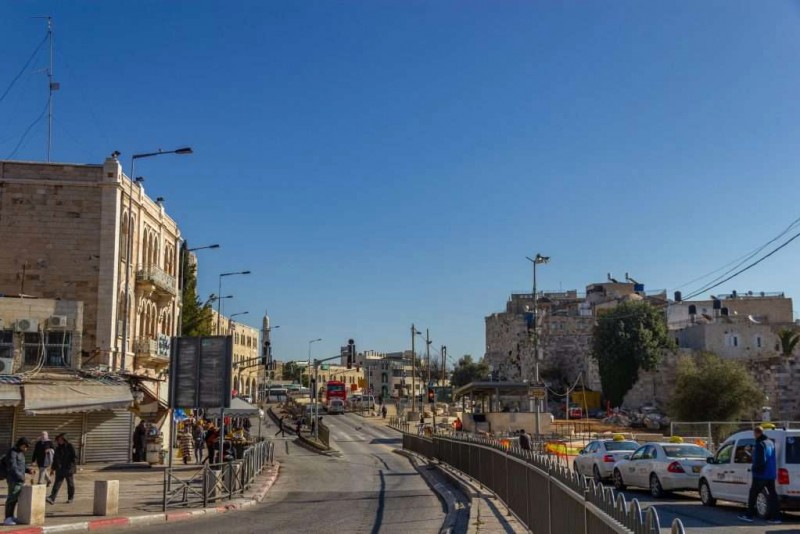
[(377, 163)]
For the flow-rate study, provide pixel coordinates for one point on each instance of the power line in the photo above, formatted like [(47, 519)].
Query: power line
[(21, 72), (27, 131)]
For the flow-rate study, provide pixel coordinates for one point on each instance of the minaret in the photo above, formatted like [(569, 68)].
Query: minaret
[(266, 344)]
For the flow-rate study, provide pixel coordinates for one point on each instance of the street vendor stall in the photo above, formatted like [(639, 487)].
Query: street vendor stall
[(236, 438)]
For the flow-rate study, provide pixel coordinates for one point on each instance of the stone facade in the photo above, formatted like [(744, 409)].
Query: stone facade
[(389, 374), (729, 337), (65, 236), (773, 308), (247, 370)]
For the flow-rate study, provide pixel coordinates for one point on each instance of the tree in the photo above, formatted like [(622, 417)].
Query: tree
[(708, 388), (196, 319), (631, 336), (467, 371), (789, 339), (292, 371)]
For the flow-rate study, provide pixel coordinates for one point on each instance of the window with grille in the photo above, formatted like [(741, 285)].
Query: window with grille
[(50, 349), (6, 344)]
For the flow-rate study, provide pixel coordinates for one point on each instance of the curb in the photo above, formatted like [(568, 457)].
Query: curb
[(149, 519)]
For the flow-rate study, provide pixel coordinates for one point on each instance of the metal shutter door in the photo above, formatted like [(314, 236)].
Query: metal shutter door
[(6, 428), (31, 427), (108, 436)]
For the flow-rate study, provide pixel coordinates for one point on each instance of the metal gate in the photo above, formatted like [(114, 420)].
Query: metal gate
[(6, 428), (31, 427), (108, 436)]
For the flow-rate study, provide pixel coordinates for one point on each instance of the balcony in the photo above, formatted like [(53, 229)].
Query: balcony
[(152, 353), (154, 282)]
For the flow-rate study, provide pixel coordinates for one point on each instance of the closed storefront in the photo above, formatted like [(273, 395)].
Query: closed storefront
[(31, 426), (6, 427), (108, 436)]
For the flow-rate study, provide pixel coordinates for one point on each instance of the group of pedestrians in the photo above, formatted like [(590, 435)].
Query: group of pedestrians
[(57, 460)]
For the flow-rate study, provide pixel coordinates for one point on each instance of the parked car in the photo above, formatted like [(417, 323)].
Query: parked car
[(727, 475), (575, 411), (662, 467), (597, 459)]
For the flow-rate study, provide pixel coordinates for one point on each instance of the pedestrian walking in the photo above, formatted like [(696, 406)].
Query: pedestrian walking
[(298, 426), (524, 441), (139, 442), (186, 442), (212, 437), (15, 476), (43, 457), (383, 411), (64, 463), (199, 436), (764, 472), (281, 430)]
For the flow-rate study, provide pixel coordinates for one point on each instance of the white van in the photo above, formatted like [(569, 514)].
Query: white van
[(727, 476), (336, 406)]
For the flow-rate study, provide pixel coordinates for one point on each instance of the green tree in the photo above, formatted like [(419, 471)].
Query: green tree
[(709, 388), (629, 337), (467, 371), (196, 319), (789, 339)]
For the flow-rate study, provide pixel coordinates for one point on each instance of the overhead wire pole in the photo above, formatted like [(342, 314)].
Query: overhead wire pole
[(444, 364), (413, 370), (428, 356), (536, 261)]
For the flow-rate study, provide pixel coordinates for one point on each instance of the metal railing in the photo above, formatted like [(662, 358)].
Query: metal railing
[(215, 482), (539, 490)]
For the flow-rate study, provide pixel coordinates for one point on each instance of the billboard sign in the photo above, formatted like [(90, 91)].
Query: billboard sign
[(200, 372)]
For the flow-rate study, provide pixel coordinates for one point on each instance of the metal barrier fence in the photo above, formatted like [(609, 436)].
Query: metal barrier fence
[(541, 492), (209, 483)]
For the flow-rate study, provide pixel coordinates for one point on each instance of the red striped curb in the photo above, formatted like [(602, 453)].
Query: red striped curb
[(178, 516), (25, 530), (98, 524)]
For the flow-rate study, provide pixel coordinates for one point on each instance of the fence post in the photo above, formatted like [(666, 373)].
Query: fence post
[(166, 477)]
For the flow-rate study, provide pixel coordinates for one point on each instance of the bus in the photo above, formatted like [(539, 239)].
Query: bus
[(335, 389)]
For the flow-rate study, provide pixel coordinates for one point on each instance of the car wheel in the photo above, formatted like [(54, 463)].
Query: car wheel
[(655, 486), (618, 482), (705, 494), (762, 504), (597, 477)]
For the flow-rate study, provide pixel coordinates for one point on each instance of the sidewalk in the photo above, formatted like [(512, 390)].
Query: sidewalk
[(140, 496)]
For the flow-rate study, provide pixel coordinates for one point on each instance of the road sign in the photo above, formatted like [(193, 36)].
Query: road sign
[(537, 392), (325, 367)]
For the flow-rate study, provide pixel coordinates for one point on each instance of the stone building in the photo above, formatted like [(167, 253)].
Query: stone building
[(389, 373), (66, 230), (248, 372), (760, 307)]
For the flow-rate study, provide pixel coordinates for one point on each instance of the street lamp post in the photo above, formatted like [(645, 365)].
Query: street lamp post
[(312, 387), (182, 282), (268, 356), (539, 259), (221, 276), (216, 298), (414, 333), (129, 244)]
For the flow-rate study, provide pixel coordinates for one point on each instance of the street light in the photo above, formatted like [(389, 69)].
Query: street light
[(219, 312), (414, 333), (129, 245), (538, 260), (182, 282), (239, 313)]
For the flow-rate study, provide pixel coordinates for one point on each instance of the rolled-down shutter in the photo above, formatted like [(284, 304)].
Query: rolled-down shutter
[(31, 427), (108, 436), (6, 427)]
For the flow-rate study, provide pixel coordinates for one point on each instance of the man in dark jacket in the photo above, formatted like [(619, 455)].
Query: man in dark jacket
[(764, 472), (15, 476), (64, 464), (42, 458)]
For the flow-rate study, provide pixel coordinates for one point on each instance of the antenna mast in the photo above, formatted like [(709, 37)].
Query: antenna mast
[(52, 86)]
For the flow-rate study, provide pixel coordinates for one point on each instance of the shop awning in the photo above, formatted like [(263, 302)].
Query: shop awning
[(72, 398), (9, 395)]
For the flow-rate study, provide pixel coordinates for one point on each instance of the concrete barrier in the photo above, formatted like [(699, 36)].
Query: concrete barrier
[(31, 505), (106, 497)]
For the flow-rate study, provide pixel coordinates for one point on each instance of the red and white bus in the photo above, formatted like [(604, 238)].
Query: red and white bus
[(335, 389)]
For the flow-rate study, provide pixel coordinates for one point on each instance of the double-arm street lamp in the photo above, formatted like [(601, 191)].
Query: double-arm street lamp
[(538, 260), (129, 244), (219, 309)]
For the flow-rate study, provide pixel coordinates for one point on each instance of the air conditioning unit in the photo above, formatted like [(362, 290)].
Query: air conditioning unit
[(57, 321), (6, 366), (26, 325)]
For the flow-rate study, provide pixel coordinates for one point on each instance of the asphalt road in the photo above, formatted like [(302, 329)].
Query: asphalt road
[(699, 519), (364, 488)]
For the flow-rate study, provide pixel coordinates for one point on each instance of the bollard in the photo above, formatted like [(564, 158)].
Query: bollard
[(106, 497), (30, 508), (214, 485)]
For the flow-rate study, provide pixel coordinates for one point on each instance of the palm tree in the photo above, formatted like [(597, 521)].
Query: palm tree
[(789, 339)]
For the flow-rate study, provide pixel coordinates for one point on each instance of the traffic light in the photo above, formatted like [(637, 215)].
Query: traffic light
[(351, 353), (265, 355), (431, 396)]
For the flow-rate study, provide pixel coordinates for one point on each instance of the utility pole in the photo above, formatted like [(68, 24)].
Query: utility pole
[(536, 261), (444, 365), (413, 371), (428, 356)]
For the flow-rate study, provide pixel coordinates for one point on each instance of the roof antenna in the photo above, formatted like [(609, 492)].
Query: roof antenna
[(52, 86)]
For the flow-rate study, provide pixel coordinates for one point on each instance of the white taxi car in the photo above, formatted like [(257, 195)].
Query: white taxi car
[(727, 476), (662, 467), (597, 459)]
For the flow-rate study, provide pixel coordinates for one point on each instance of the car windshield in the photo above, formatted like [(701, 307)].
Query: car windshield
[(612, 446), (686, 451)]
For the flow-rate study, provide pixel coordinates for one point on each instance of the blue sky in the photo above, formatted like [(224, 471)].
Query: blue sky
[(377, 163)]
